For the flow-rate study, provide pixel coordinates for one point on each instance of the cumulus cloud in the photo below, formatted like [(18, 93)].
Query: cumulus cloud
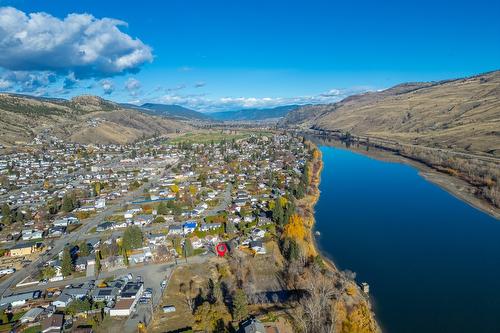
[(107, 86), (203, 103), (24, 81), (79, 43), (199, 84), (5, 84), (132, 84)]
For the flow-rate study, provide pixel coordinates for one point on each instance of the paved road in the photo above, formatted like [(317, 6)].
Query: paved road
[(224, 202), (80, 233)]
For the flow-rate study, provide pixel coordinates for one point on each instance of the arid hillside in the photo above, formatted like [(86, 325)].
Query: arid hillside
[(84, 119), (461, 115)]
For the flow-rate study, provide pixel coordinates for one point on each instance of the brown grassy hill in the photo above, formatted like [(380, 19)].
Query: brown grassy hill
[(85, 119), (462, 114)]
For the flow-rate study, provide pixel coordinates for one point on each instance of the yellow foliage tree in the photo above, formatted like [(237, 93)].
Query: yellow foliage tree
[(316, 154), (295, 228), (97, 187), (174, 188), (192, 190)]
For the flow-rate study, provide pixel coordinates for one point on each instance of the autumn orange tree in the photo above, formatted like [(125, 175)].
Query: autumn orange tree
[(295, 228), (316, 154)]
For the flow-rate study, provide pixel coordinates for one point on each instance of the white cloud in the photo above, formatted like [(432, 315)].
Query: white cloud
[(203, 103), (24, 81), (5, 84), (132, 85), (107, 86), (79, 43)]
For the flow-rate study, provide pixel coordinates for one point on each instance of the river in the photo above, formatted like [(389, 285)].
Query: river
[(432, 261)]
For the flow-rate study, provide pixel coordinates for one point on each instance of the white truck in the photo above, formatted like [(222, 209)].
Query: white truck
[(7, 271)]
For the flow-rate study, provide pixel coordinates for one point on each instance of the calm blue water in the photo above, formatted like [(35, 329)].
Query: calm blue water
[(432, 261)]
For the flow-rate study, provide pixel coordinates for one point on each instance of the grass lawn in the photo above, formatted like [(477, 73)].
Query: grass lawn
[(33, 329), (209, 136)]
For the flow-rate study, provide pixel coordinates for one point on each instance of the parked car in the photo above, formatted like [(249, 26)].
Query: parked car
[(168, 308)]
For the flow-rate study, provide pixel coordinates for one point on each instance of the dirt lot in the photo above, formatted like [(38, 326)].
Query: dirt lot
[(199, 274)]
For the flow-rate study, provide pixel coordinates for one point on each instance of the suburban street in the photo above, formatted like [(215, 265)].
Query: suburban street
[(79, 234)]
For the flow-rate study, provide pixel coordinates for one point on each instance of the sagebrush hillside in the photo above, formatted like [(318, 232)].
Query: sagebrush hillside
[(84, 119), (461, 114)]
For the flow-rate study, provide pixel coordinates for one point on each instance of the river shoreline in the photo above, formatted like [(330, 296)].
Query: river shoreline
[(311, 201), (455, 186)]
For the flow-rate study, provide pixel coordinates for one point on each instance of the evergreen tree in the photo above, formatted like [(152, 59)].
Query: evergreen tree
[(97, 262), (5, 213), (217, 293), (132, 238), (278, 213), (240, 305), (67, 204), (84, 249), (162, 209), (125, 257), (67, 262), (188, 248)]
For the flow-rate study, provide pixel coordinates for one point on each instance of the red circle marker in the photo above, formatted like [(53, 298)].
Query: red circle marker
[(221, 249)]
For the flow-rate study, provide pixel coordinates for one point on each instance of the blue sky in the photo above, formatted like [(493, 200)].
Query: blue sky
[(222, 55)]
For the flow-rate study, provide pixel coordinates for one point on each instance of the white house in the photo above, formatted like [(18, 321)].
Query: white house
[(62, 301), (100, 203), (175, 230)]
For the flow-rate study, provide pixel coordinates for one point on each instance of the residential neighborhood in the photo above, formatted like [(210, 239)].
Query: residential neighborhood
[(94, 233)]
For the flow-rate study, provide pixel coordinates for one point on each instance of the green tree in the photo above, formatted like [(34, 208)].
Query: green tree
[(6, 213), (278, 214), (67, 204), (162, 209), (240, 305), (125, 257), (78, 306), (188, 248), (217, 293), (66, 262), (84, 249), (132, 238), (97, 262), (48, 272), (291, 249)]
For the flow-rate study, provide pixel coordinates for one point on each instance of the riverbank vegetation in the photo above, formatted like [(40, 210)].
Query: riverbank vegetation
[(330, 300)]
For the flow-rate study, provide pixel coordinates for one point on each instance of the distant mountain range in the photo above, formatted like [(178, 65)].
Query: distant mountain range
[(182, 113), (172, 111), (254, 114)]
